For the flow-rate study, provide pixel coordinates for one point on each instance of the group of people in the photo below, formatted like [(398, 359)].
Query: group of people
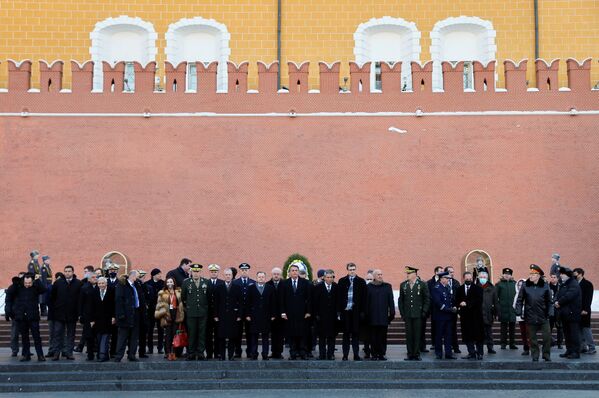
[(199, 318)]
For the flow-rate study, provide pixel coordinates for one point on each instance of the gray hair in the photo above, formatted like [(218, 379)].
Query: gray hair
[(483, 272), (102, 279), (329, 272), (275, 269)]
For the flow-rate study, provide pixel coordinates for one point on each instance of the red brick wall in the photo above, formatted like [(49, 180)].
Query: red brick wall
[(336, 189)]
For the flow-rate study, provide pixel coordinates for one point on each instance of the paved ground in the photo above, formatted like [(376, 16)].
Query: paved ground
[(322, 393), (394, 353)]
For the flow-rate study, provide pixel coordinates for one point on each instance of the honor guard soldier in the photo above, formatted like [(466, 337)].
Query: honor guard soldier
[(443, 311), (195, 294), (244, 282), (413, 304)]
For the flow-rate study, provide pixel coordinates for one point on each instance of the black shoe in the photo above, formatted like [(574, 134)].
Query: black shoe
[(41, 358), (591, 352), (382, 358), (450, 357), (470, 356), (190, 358), (237, 355), (457, 351), (357, 358), (439, 356), (547, 359), (417, 358), (408, 359), (303, 357), (160, 351), (503, 347), (513, 347), (264, 357), (479, 357), (117, 359), (132, 359), (373, 358), (231, 358), (366, 356), (15, 354), (525, 353), (70, 357), (89, 358), (26, 358), (344, 358), (56, 357), (77, 349), (49, 355), (201, 357), (491, 351), (573, 356), (564, 355), (143, 356), (425, 350), (559, 347), (535, 359)]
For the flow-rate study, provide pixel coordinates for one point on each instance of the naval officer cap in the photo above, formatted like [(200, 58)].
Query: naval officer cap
[(196, 267), (244, 266), (410, 269), (444, 275), (214, 267)]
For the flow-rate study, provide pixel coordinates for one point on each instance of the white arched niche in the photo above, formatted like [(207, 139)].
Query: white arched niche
[(122, 39), (199, 39), (389, 40), (465, 39)]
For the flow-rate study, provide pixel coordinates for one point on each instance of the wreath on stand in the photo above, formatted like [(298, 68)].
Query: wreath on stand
[(301, 261)]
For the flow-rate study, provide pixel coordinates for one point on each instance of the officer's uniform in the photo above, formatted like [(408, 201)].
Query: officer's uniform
[(244, 284), (413, 304), (196, 298), (443, 311)]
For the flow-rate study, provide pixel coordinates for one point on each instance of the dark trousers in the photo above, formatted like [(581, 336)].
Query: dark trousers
[(169, 335), (114, 337), (350, 332), (511, 328), (244, 325), (143, 333), (524, 335), (89, 338), (326, 346), (196, 330), (229, 345), (154, 324), (413, 330), (433, 331), (454, 332), (103, 340), (128, 337), (378, 341), (65, 337), (488, 329), (554, 322), (534, 343), (296, 346), (24, 328), (254, 345), (572, 335), (474, 347), (423, 334), (443, 337), (14, 336), (211, 339), (277, 330)]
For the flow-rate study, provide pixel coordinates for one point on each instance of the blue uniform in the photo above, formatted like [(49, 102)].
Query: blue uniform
[(442, 304)]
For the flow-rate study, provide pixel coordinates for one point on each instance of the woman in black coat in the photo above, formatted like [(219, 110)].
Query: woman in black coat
[(568, 303)]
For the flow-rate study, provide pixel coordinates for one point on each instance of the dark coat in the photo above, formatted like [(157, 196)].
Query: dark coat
[(536, 301), (24, 302), (152, 289), (359, 299), (178, 274), (413, 302), (277, 293), (124, 297), (9, 298), (471, 316), (103, 311), (245, 288), (34, 267), (260, 308), (228, 308), (86, 305), (569, 298), (295, 305), (442, 302), (325, 309), (380, 304), (587, 290), (490, 303), (65, 299), (506, 292)]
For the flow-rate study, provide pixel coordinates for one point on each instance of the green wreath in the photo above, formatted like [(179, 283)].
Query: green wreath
[(298, 257)]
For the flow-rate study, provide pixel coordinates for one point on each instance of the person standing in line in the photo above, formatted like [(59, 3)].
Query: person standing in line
[(352, 296), (380, 310), (586, 335), (169, 314), (326, 314), (260, 312), (413, 304), (153, 286), (443, 309), (490, 308), (196, 293), (244, 282), (277, 327), (469, 300), (569, 305), (295, 307), (102, 315), (431, 285), (65, 303), (127, 313), (506, 292), (227, 314)]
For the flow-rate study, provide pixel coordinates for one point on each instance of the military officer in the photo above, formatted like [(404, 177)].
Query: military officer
[(244, 282), (211, 326), (413, 304), (443, 311), (195, 294)]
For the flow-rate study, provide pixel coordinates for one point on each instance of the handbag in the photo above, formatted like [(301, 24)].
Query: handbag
[(180, 339)]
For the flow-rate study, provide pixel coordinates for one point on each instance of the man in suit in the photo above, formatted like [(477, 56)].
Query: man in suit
[(380, 310), (102, 317), (352, 301), (325, 305), (260, 313), (146, 293), (112, 270), (295, 307), (490, 308), (211, 327), (454, 284), (443, 310), (180, 273), (569, 305), (127, 313), (65, 303), (196, 293), (244, 282), (413, 304), (469, 300), (586, 289), (153, 286), (227, 314), (86, 307), (277, 327)]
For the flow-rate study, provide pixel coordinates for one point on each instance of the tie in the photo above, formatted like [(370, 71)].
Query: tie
[(213, 282), (136, 297), (228, 286), (102, 295), (294, 285), (261, 289), (245, 281), (466, 290), (328, 288), (350, 294)]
